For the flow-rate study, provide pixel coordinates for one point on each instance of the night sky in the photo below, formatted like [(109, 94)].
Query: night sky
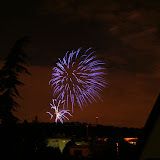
[(125, 34)]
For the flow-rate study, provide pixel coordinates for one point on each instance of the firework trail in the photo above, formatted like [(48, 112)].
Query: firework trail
[(61, 114), (78, 78)]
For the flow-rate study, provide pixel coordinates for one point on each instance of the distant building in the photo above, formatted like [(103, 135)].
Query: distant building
[(80, 150), (131, 140)]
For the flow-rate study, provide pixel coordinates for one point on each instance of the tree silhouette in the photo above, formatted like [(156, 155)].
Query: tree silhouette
[(9, 80)]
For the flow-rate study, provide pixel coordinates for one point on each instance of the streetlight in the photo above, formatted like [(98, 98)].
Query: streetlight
[(87, 131), (97, 120)]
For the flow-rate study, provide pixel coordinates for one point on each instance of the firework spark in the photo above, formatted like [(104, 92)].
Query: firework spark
[(78, 78), (61, 114)]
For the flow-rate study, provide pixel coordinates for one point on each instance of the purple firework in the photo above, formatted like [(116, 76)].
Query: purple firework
[(78, 78), (61, 114)]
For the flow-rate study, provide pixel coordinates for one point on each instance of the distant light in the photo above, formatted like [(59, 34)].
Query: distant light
[(134, 143), (131, 140), (57, 143)]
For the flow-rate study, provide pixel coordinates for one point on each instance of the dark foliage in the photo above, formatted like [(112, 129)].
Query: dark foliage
[(9, 80)]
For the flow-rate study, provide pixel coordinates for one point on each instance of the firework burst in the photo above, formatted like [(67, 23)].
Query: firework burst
[(78, 78), (61, 114)]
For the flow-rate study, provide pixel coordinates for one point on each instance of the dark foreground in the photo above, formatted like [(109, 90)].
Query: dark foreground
[(84, 142)]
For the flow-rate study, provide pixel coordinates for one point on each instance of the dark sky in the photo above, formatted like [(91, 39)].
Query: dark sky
[(126, 34)]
